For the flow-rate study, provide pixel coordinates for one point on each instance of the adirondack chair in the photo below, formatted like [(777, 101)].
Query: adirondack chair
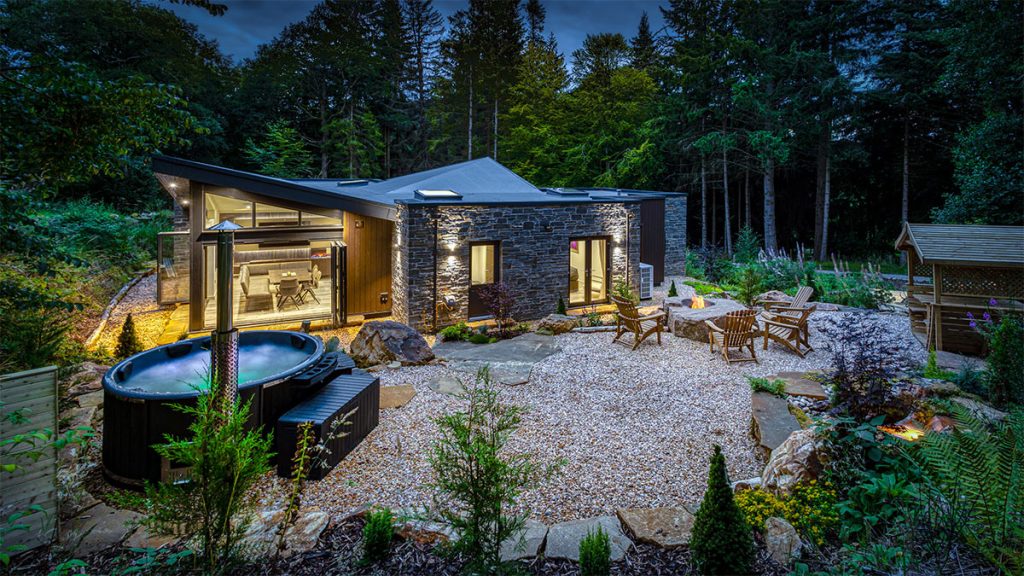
[(740, 329), (789, 329), (803, 295), (629, 321)]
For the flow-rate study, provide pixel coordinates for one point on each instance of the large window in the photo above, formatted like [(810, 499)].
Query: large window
[(484, 271), (220, 208), (268, 216)]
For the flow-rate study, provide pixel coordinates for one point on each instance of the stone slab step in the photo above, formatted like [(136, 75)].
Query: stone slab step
[(564, 538), (800, 384), (396, 396), (771, 422), (664, 527)]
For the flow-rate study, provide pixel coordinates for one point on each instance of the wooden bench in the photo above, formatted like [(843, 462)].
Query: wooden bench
[(359, 391)]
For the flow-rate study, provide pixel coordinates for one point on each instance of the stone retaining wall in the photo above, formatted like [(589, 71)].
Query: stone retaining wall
[(534, 253)]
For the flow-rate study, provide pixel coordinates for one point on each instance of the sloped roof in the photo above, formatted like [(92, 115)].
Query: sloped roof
[(964, 244)]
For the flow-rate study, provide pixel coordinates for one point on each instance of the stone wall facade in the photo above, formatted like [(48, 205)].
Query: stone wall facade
[(534, 254), (675, 235)]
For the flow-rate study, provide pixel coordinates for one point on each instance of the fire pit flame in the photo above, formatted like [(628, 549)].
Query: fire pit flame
[(697, 302)]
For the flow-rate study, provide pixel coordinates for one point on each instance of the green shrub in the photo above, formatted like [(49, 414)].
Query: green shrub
[(776, 387), (561, 309), (128, 341), (932, 371), (32, 338), (748, 244), (226, 460), (694, 265), (864, 290), (873, 505), (782, 273), (595, 554), (810, 508), (721, 541), (979, 470), (625, 291), (1005, 373), (458, 331), (703, 288), (748, 286), (476, 480), (714, 263), (672, 292), (377, 534), (758, 506), (970, 379), (482, 339)]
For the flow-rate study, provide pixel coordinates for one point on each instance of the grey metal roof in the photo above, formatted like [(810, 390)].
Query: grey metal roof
[(477, 182), (964, 244)]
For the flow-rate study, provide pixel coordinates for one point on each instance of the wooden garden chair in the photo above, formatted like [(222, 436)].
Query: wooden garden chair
[(789, 329), (739, 332), (629, 321), (803, 296)]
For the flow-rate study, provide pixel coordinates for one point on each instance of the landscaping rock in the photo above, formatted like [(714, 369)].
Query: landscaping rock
[(141, 538), (795, 460), (686, 322), (396, 396), (510, 361), (800, 384), (384, 341), (446, 384), (97, 528), (664, 527), (564, 538), (525, 544), (774, 296), (410, 525), (771, 421), (748, 484), (781, 540), (89, 378), (91, 400), (980, 409), (300, 537), (558, 323), (938, 388)]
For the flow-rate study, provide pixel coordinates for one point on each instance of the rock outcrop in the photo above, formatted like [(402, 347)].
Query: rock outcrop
[(384, 341)]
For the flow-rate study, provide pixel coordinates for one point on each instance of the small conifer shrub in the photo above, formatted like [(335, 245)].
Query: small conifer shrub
[(377, 534), (595, 553), (561, 307), (672, 292), (722, 542), (128, 342)]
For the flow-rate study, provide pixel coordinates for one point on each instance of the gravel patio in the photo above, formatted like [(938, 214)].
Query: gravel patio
[(633, 429)]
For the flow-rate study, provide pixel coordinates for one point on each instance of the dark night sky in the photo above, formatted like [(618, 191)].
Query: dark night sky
[(249, 23)]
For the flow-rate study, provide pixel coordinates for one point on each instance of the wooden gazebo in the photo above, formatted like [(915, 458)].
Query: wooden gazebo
[(972, 270)]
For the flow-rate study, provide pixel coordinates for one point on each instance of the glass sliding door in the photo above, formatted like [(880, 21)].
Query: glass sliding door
[(589, 273)]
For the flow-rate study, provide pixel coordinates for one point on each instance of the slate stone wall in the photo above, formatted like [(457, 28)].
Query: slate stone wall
[(534, 259), (675, 235)]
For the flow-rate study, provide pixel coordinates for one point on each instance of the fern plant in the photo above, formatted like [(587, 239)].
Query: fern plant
[(980, 466)]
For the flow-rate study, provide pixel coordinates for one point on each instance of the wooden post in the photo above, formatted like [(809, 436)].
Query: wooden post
[(937, 306)]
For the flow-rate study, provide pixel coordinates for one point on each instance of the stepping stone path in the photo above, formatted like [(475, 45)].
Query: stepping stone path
[(564, 538), (800, 384), (532, 538), (97, 528), (446, 384), (396, 396), (510, 361), (664, 527), (771, 421)]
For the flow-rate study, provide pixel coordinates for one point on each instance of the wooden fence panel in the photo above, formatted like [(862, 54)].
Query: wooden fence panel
[(33, 395)]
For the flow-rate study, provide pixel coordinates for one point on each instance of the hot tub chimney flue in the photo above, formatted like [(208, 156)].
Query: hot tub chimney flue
[(224, 338)]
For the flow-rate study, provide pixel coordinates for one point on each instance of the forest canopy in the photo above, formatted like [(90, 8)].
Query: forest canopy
[(820, 123)]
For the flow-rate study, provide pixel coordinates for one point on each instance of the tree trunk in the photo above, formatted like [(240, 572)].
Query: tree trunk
[(770, 242), (819, 191), (714, 218), (905, 209), (825, 206), (324, 156), (495, 156), (746, 196), (351, 139), (469, 111), (703, 205), (727, 229)]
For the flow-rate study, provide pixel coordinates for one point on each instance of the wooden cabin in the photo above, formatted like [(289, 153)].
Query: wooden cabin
[(958, 273)]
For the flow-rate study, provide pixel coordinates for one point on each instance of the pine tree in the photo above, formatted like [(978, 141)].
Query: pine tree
[(128, 342), (280, 152), (672, 292), (643, 51), (721, 542)]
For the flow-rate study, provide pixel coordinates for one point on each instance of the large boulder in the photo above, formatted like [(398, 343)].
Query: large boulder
[(384, 341), (302, 536), (781, 540), (796, 460), (558, 323), (664, 527)]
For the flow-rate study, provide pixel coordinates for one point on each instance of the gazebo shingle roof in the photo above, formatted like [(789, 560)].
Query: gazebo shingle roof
[(964, 244)]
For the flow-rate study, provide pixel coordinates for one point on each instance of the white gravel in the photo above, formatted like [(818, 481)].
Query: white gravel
[(148, 316), (634, 429)]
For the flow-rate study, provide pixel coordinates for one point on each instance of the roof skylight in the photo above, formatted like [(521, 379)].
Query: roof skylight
[(438, 194)]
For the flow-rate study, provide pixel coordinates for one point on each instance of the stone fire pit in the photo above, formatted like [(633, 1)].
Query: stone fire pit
[(686, 322)]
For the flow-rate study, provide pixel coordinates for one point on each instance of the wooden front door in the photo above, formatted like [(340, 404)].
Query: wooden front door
[(484, 272), (589, 271)]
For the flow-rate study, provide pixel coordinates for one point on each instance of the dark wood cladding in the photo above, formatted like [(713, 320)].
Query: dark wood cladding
[(368, 273), (652, 236)]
